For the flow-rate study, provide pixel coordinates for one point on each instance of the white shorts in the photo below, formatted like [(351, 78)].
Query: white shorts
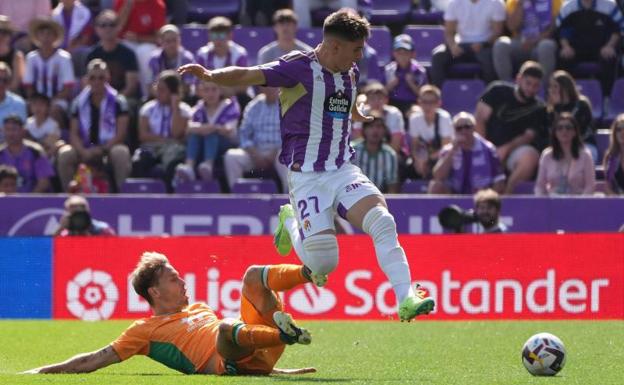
[(317, 196)]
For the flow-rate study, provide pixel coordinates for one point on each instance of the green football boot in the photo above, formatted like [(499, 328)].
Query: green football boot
[(281, 238), (415, 305)]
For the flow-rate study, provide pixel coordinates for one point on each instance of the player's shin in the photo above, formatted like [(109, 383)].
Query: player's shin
[(283, 277), (255, 336), (380, 225)]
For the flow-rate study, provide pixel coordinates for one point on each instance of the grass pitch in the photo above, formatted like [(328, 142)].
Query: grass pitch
[(344, 353)]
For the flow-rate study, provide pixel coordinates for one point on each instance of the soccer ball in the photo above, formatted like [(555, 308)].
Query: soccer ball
[(543, 355)]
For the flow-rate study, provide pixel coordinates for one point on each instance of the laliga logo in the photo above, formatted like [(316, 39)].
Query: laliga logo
[(312, 300), (45, 220), (92, 295)]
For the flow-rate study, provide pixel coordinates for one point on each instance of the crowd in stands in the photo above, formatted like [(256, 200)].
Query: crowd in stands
[(90, 99)]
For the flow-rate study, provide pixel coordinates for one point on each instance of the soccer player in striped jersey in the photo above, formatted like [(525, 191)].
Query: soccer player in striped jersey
[(317, 106)]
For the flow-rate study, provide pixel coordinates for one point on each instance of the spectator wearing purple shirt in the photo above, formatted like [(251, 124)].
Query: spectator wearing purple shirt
[(27, 157), (170, 55), (211, 132), (468, 164), (404, 75)]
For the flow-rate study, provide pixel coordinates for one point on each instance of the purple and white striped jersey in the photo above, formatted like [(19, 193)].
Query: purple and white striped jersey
[(315, 107)]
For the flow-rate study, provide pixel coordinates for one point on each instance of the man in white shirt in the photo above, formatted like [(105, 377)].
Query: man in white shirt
[(470, 29), (285, 26)]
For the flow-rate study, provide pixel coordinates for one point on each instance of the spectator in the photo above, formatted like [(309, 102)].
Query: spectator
[(10, 103), (77, 221), (590, 30), (563, 95), (613, 160), (162, 124), (487, 209), (41, 127), (531, 23), (566, 166), (75, 18), (140, 21), (430, 128), (404, 75), (377, 100), (260, 141), (99, 125), (378, 161), (8, 179), (470, 29), (120, 60), (21, 13), (285, 27), (304, 8), (515, 121), (221, 52), (9, 55), (467, 164), (27, 157), (211, 132), (49, 69), (170, 56)]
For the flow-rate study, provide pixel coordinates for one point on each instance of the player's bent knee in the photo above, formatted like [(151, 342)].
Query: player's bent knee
[(321, 252), (253, 276), (379, 224)]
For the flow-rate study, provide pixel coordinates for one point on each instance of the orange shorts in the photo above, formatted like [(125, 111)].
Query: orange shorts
[(261, 361)]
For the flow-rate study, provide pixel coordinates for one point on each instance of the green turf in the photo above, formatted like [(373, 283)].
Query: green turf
[(344, 353)]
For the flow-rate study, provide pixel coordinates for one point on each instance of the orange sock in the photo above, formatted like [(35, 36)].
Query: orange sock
[(283, 277), (255, 336)]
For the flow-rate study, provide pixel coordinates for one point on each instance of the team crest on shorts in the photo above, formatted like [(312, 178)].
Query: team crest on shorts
[(307, 226)]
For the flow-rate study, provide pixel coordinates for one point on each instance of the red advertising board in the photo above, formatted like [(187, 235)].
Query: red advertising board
[(471, 277)]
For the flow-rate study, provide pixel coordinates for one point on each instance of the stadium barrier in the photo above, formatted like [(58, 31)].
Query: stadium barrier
[(257, 214), (484, 277)]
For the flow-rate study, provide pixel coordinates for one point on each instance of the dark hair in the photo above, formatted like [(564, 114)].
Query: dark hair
[(285, 15), (614, 146), (7, 171), (171, 79), (347, 25), (531, 68), (577, 142), (37, 96), (13, 118), (147, 272), (567, 85)]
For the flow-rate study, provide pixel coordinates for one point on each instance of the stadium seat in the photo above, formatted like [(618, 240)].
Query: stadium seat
[(592, 89), (422, 16), (390, 11), (525, 188), (426, 38), (194, 36), (600, 172), (415, 186), (143, 186), (198, 187), (465, 70), (601, 186), (381, 40), (616, 101), (602, 142), (318, 15), (311, 36), (586, 69), (254, 186), (253, 38), (461, 94), (203, 10)]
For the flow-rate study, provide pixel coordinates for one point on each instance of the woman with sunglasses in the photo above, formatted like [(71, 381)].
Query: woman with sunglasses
[(613, 160), (567, 166)]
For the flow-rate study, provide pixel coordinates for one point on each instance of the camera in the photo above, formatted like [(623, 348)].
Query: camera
[(455, 218), (79, 222)]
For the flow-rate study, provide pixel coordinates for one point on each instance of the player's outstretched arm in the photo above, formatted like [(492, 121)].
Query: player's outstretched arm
[(229, 76), (81, 363)]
